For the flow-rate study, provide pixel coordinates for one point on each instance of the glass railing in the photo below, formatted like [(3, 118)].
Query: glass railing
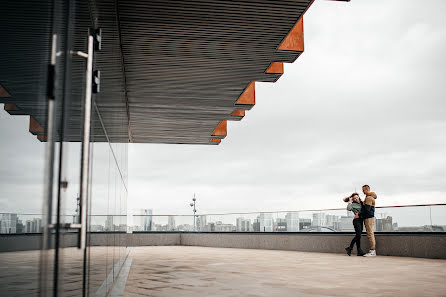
[(406, 218)]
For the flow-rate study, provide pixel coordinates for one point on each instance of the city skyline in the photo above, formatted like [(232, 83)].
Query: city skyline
[(263, 222)]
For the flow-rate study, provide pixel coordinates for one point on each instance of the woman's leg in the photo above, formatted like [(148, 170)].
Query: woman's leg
[(358, 230), (352, 243), (357, 223)]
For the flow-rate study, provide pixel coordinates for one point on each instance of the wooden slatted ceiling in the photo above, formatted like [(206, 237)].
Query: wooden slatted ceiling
[(174, 71)]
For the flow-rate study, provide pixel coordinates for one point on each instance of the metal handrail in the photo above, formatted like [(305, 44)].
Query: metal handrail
[(232, 213), (306, 210)]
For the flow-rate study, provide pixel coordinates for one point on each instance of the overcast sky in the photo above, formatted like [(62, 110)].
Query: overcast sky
[(364, 104)]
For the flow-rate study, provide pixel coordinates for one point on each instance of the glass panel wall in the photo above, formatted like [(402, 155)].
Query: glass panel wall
[(29, 31), (108, 209), (24, 56), (108, 198)]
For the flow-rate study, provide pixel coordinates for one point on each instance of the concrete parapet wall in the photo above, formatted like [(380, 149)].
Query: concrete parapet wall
[(419, 245), (108, 239), (146, 239), (406, 245), (423, 245)]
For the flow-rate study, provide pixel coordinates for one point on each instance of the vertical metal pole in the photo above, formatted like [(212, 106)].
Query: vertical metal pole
[(430, 215), (48, 175), (85, 161)]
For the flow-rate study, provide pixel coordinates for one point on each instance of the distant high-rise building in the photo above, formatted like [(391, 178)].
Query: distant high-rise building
[(246, 225), (266, 222), (210, 227), (96, 228), (331, 220), (33, 226), (220, 227), (171, 223), (159, 227), (304, 224), (28, 226), (37, 222), (8, 223), (384, 224), (280, 225), (146, 219), (201, 223), (20, 228), (318, 219), (243, 225), (256, 224), (238, 224), (109, 224), (185, 227), (292, 222)]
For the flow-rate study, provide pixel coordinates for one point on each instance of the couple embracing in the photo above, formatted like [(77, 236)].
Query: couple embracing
[(364, 215)]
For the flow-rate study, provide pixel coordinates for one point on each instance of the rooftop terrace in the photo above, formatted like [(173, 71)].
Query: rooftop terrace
[(210, 271)]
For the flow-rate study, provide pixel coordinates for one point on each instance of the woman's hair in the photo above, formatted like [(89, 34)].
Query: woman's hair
[(351, 196)]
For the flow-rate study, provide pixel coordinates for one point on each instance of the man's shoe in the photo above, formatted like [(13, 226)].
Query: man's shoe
[(360, 253), (349, 250), (371, 253)]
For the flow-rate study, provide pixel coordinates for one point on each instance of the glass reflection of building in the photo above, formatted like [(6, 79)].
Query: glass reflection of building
[(8, 223)]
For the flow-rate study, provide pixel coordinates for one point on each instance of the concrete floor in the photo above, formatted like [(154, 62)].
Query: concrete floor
[(202, 271)]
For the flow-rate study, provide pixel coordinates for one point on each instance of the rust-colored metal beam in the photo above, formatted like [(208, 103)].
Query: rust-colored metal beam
[(3, 92), (10, 107), (294, 41), (222, 129), (238, 113), (216, 141), (275, 67), (34, 127), (42, 138), (248, 98)]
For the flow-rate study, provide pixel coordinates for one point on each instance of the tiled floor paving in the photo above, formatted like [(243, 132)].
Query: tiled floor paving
[(201, 271)]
